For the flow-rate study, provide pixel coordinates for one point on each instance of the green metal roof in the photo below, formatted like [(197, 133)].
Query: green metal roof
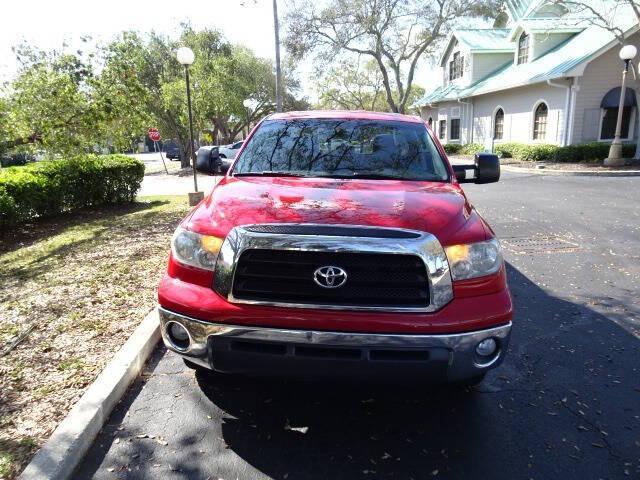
[(484, 39)]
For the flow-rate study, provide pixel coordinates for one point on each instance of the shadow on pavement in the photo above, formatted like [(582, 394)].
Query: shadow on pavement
[(565, 404)]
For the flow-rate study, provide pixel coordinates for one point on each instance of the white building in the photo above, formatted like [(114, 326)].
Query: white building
[(551, 76)]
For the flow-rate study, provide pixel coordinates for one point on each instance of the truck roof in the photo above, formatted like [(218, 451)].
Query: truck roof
[(347, 114)]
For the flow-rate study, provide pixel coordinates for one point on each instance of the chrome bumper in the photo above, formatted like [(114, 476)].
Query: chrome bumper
[(460, 362)]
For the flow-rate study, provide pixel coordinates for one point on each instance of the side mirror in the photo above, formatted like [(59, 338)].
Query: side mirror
[(487, 167)]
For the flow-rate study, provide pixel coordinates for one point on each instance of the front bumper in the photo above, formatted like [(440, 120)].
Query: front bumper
[(264, 350)]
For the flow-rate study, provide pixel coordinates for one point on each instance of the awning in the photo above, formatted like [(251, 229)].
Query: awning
[(612, 98)]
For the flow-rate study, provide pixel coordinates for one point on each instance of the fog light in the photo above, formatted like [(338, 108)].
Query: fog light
[(178, 335), (486, 347)]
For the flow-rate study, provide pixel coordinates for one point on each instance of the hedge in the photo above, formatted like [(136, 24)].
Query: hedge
[(543, 152), (48, 188), (466, 149)]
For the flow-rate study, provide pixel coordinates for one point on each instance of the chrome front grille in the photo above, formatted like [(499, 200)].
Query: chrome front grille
[(388, 269)]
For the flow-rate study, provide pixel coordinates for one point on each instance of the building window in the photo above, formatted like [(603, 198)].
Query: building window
[(430, 122), (456, 66), (455, 129), (523, 48), (498, 125), (609, 113), (442, 129), (540, 121), (609, 119)]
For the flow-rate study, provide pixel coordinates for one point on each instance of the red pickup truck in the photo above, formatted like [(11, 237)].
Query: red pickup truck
[(340, 243)]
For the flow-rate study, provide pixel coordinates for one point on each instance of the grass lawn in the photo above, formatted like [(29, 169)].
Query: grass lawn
[(79, 284)]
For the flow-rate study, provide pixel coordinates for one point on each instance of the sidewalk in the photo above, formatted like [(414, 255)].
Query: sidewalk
[(156, 182), (163, 184)]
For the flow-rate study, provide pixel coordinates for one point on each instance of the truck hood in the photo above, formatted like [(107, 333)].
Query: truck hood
[(438, 208)]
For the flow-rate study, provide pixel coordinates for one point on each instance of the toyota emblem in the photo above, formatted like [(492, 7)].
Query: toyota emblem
[(330, 276)]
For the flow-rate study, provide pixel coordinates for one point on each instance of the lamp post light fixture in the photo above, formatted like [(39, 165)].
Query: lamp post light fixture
[(186, 57), (627, 53)]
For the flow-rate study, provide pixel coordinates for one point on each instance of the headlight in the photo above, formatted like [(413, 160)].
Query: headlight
[(190, 248), (474, 259)]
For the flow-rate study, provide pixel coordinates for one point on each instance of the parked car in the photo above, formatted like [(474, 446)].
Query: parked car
[(231, 150), (340, 243), (172, 150), (16, 159)]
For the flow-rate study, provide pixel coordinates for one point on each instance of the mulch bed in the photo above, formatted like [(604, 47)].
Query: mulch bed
[(72, 290)]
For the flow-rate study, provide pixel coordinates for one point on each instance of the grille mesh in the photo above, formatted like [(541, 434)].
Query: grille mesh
[(284, 276)]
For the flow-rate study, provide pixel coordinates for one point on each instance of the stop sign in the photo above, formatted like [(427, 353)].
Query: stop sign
[(154, 136)]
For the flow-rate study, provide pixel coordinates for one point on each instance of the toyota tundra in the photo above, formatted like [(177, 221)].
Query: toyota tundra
[(340, 243)]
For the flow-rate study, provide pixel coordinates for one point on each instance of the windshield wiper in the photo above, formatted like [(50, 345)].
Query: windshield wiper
[(268, 173)]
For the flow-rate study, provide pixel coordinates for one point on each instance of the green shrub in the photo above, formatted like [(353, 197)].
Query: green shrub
[(452, 148), (589, 152), (471, 148), (48, 188), (584, 152), (466, 149), (8, 211), (510, 149), (538, 153)]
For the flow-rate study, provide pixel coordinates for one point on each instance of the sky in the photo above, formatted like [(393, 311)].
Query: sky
[(49, 23)]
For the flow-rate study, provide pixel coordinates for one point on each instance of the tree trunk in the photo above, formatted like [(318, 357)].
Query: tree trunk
[(185, 160)]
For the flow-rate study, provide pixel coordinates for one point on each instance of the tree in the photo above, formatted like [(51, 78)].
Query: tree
[(355, 85), (74, 102), (607, 15), (395, 34), (351, 86), (148, 76), (226, 84), (223, 76), (58, 102)]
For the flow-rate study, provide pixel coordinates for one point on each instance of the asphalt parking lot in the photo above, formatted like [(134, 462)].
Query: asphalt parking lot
[(565, 404)]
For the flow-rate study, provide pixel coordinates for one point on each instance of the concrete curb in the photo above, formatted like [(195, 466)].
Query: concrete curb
[(65, 449), (577, 173)]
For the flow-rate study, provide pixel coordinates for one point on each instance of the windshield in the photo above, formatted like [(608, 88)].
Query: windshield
[(340, 148)]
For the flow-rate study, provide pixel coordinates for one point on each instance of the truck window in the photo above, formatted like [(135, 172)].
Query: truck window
[(343, 148)]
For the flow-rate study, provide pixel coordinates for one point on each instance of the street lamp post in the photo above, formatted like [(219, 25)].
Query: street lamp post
[(276, 28), (186, 57), (627, 53)]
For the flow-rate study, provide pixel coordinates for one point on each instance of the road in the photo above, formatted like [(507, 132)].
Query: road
[(565, 404)]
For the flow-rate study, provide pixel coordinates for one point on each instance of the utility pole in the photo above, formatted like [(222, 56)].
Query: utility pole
[(276, 26)]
